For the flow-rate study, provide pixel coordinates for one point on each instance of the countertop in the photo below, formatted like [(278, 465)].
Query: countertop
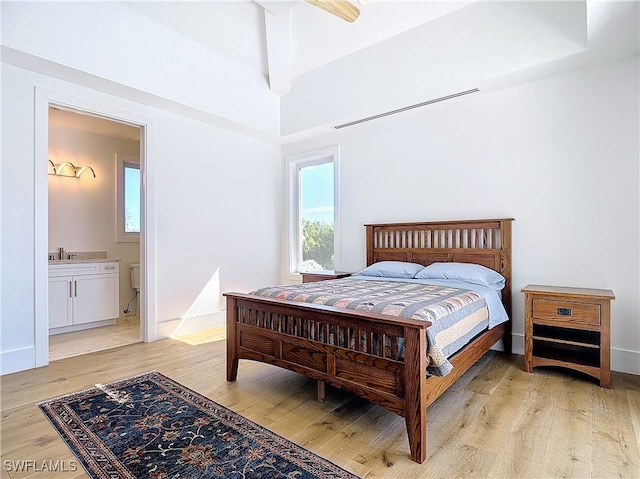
[(77, 261)]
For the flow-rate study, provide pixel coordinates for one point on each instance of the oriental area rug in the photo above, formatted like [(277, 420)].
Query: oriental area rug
[(150, 426)]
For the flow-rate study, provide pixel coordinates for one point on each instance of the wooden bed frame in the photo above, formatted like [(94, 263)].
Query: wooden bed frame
[(288, 333)]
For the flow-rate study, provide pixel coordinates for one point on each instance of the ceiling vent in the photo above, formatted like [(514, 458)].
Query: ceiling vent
[(406, 108)]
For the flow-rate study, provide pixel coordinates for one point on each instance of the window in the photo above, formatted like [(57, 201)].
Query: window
[(313, 192), (128, 201)]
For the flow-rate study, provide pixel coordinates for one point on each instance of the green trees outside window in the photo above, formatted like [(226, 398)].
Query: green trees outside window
[(317, 245)]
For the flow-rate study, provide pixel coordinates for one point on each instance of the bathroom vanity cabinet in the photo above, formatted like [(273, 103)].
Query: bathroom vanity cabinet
[(83, 295)]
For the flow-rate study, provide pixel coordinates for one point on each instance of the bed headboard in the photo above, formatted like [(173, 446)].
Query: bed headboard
[(485, 242)]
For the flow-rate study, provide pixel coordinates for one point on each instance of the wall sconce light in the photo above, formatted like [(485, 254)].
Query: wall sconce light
[(83, 169), (58, 170)]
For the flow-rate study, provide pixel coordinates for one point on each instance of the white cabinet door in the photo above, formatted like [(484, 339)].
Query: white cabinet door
[(96, 297), (60, 301)]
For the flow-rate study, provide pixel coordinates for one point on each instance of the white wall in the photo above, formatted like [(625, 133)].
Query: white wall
[(216, 201), (82, 212), (559, 155)]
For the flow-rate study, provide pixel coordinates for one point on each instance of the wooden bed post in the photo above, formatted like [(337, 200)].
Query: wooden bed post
[(232, 341), (415, 379), (320, 390), (505, 270), (370, 244)]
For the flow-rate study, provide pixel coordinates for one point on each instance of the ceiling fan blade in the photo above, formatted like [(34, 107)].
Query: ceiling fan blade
[(341, 8)]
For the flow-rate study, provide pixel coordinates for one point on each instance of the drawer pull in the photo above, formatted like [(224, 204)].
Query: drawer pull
[(564, 311), (109, 267)]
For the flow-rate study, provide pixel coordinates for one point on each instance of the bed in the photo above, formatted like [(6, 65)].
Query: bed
[(388, 367)]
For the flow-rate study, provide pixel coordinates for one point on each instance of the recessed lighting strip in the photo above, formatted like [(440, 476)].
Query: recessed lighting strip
[(400, 110)]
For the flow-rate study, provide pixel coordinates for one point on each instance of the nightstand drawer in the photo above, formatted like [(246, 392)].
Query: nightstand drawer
[(569, 312)]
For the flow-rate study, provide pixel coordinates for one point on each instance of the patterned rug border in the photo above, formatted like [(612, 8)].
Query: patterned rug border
[(93, 459)]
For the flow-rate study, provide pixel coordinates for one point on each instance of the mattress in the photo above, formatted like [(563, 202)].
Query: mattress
[(457, 314)]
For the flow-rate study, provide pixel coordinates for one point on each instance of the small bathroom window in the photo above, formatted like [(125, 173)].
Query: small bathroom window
[(128, 201)]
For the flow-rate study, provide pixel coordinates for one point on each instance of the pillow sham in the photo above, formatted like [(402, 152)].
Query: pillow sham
[(391, 269), (468, 272)]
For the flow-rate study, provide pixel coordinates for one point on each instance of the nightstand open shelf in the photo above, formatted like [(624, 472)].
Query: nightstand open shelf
[(568, 354), (569, 328), (576, 337)]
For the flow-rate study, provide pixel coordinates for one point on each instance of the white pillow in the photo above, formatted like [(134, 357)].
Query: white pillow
[(468, 272), (391, 269)]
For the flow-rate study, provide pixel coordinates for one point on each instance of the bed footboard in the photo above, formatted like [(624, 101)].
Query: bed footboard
[(377, 357), (380, 358)]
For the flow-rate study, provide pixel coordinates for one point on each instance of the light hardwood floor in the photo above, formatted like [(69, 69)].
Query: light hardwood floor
[(495, 422), (125, 331)]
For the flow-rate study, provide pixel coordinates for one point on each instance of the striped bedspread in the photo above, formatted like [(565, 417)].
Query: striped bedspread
[(457, 315)]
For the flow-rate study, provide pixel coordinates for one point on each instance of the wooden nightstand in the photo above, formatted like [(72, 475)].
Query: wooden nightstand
[(568, 327), (311, 277)]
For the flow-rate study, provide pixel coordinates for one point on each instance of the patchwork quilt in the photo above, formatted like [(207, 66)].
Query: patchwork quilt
[(456, 315)]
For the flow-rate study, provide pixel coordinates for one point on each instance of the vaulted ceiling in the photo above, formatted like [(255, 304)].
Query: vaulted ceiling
[(325, 72), (398, 53), (288, 38)]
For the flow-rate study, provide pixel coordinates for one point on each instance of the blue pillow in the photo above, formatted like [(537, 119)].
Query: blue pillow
[(391, 269), (468, 272)]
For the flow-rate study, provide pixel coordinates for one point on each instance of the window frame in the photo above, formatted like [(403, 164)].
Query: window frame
[(293, 165), (124, 161)]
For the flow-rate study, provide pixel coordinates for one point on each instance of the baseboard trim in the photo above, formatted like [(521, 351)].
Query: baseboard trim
[(625, 361), (17, 360)]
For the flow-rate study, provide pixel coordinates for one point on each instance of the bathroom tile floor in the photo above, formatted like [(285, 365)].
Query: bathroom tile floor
[(125, 331)]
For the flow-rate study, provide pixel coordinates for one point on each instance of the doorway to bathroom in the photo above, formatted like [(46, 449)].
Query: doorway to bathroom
[(94, 225)]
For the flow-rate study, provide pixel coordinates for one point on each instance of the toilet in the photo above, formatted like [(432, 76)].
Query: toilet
[(134, 269)]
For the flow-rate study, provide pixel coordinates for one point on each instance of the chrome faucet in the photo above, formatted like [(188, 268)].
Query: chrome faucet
[(61, 253)]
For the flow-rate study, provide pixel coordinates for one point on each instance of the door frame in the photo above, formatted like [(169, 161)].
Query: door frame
[(43, 99)]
